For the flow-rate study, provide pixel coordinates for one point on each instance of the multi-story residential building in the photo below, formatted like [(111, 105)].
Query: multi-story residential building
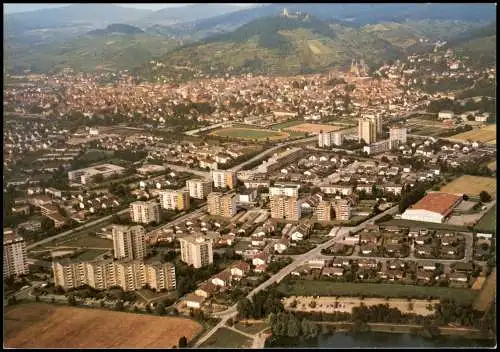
[(397, 136), (103, 274), (224, 178), (367, 131), (198, 188), (283, 207), (176, 200), (378, 147), (196, 250), (145, 212), (326, 139), (129, 242), (284, 189), (14, 255), (342, 209), (161, 276), (220, 204), (324, 211)]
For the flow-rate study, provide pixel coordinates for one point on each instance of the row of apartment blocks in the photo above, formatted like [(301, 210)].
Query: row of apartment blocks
[(103, 274), (15, 258)]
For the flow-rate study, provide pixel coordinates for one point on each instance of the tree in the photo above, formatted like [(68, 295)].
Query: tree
[(293, 326), (12, 300), (244, 307), (484, 197), (160, 308), (119, 305), (183, 342), (71, 300)]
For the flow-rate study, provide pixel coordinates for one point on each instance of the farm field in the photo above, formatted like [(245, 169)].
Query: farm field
[(488, 293), (472, 185), (484, 134), (330, 288), (312, 128), (39, 325), (488, 222), (250, 133), (227, 338)]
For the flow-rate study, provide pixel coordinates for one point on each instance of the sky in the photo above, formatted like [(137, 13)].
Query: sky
[(13, 8)]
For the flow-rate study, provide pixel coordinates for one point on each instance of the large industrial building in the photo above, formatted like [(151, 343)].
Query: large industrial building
[(434, 207), (87, 175)]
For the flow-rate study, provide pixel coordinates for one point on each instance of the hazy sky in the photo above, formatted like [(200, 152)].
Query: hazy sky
[(12, 8)]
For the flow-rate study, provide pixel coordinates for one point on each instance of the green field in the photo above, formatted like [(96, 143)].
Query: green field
[(488, 222), (227, 338), (249, 133), (330, 288), (251, 328), (86, 241), (91, 254)]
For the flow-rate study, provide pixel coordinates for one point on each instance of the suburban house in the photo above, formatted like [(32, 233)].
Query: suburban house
[(332, 271), (281, 245), (205, 289), (194, 301), (240, 269), (222, 279)]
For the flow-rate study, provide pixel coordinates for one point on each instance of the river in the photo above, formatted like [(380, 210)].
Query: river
[(379, 339)]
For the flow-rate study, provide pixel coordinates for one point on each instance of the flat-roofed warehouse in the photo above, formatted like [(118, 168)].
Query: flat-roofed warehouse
[(85, 176), (434, 207)]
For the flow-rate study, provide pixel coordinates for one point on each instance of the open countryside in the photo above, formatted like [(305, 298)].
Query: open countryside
[(485, 134), (250, 133), (42, 325), (471, 185)]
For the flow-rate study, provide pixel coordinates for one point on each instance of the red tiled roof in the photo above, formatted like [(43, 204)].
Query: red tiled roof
[(437, 202)]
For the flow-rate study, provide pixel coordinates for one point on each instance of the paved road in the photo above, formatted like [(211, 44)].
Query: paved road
[(297, 261), (187, 169), (80, 228), (272, 150), (182, 218)]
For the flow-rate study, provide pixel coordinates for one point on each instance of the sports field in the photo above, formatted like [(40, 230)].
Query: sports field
[(331, 288), (40, 325), (250, 133), (472, 185), (312, 128), (484, 134)]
